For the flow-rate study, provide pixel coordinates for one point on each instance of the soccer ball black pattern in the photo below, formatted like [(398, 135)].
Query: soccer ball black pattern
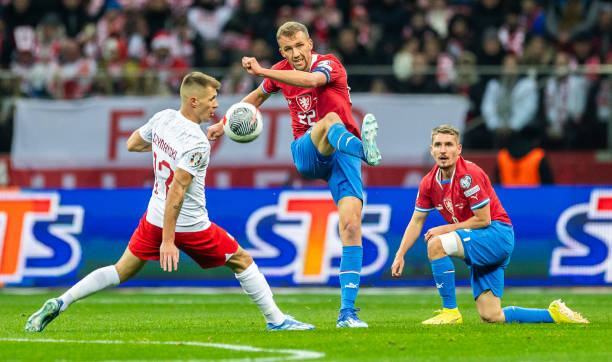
[(243, 122)]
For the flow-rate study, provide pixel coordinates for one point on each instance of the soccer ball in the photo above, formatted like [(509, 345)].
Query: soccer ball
[(242, 122)]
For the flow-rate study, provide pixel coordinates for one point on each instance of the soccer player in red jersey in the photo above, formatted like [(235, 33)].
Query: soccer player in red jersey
[(176, 217), (479, 231), (327, 145)]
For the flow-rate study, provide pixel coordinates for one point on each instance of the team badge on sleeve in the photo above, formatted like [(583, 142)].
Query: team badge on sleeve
[(196, 159), (465, 182)]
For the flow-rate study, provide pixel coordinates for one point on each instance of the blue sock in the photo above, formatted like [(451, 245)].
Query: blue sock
[(527, 315), (344, 141), (350, 270), (444, 275)]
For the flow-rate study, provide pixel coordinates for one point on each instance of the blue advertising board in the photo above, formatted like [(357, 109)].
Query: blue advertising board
[(55, 237)]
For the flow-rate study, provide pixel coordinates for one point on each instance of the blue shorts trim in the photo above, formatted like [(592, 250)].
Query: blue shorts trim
[(341, 171), (487, 254)]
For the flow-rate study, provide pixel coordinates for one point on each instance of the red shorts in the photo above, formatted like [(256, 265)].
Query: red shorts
[(209, 248)]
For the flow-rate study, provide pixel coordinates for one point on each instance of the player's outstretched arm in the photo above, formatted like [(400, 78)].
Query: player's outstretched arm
[(168, 252), (137, 144), (292, 77), (411, 234)]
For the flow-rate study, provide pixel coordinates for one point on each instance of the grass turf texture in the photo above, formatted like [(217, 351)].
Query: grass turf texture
[(395, 333)]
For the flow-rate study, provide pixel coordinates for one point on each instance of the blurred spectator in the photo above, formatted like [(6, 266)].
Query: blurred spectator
[(512, 33), (157, 13), (523, 162), (74, 16), (136, 33), (421, 78), (533, 17), (75, 73), (4, 46), (441, 62), (490, 51), (564, 103), (567, 18), (510, 102), (17, 13), (537, 51), (49, 36), (418, 28), (351, 52), (438, 16), (602, 33), (208, 17), (487, 14), (23, 62), (460, 37), (163, 65)]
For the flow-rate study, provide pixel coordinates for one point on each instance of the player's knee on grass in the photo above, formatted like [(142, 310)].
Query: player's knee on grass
[(239, 261), (435, 249), (492, 315)]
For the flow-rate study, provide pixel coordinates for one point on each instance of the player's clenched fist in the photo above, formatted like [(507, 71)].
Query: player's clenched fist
[(251, 65)]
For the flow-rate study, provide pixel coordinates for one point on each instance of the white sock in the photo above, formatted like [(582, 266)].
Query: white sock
[(256, 287), (93, 282)]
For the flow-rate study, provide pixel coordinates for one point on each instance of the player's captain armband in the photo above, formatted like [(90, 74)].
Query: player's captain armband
[(324, 67), (471, 191)]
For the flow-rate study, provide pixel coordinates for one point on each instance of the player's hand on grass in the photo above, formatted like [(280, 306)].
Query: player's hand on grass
[(398, 267), (215, 131), (438, 230), (168, 256), (251, 65)]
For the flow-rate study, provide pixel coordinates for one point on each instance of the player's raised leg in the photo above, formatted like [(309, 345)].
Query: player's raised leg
[(349, 209), (99, 279), (330, 134), (256, 287), (439, 249)]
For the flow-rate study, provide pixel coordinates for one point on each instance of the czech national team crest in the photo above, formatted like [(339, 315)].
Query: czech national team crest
[(305, 102)]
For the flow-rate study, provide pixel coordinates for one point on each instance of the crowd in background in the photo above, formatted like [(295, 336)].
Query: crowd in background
[(525, 65)]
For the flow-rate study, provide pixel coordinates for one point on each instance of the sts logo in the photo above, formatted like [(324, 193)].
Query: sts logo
[(299, 237), (586, 232), (37, 236)]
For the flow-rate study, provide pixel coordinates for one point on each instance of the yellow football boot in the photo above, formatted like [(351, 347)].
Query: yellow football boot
[(561, 313), (445, 316)]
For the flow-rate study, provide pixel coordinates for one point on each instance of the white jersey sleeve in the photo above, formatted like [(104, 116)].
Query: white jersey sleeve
[(195, 161), (146, 131)]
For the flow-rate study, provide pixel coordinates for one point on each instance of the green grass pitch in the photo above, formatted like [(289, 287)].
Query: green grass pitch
[(222, 326)]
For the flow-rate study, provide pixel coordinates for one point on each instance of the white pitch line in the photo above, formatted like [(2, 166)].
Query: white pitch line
[(289, 354)]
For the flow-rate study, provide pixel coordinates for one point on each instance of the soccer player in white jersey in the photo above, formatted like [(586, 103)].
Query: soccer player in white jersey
[(176, 217)]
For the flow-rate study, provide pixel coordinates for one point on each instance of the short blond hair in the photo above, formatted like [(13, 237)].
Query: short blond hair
[(445, 129), (198, 79), (290, 28)]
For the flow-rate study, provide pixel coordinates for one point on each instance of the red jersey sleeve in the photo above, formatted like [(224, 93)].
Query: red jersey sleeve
[(476, 189), (330, 68), (423, 199), (269, 86)]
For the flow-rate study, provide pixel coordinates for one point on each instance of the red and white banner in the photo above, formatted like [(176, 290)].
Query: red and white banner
[(72, 141)]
